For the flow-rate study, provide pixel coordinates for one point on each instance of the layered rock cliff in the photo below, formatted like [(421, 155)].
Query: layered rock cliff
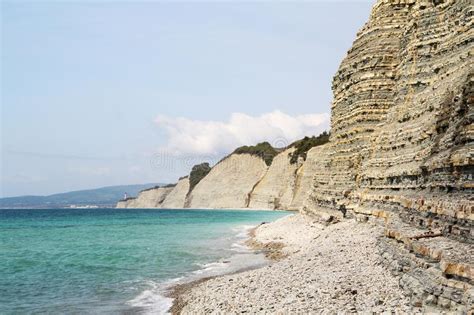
[(401, 128), (401, 144), (402, 114)]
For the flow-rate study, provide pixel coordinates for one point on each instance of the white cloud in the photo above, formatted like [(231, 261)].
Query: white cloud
[(198, 137)]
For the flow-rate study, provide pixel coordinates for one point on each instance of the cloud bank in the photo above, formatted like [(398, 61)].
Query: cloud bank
[(199, 137)]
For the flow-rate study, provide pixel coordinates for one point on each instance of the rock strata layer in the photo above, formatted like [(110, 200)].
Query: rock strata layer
[(401, 145)]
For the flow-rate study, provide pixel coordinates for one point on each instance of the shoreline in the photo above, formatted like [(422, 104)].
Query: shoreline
[(178, 290), (272, 252), (227, 209), (312, 268)]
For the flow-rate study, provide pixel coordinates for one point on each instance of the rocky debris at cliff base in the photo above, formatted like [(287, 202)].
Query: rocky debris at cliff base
[(328, 269)]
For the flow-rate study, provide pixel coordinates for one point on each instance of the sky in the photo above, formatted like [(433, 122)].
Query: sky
[(99, 93)]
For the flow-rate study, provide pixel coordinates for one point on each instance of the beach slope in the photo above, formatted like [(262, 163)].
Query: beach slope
[(333, 268)]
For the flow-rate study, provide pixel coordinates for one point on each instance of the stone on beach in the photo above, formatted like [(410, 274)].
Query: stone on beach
[(328, 269)]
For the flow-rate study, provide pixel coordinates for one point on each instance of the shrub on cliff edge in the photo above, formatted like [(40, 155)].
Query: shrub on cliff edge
[(304, 145), (263, 150), (197, 174)]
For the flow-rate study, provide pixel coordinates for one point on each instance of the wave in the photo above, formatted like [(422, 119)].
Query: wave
[(243, 230), (153, 300)]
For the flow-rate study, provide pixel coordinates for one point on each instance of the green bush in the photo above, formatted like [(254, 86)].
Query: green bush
[(304, 145), (197, 174), (263, 150), (151, 188), (158, 186), (169, 186)]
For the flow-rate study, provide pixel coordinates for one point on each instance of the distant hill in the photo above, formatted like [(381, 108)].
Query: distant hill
[(102, 197)]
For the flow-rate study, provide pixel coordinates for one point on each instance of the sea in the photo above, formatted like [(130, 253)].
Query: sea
[(116, 261)]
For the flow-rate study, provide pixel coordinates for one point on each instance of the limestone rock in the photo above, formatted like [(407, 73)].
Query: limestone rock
[(149, 198), (229, 183), (122, 204), (316, 162), (275, 189), (401, 146), (177, 197), (402, 115)]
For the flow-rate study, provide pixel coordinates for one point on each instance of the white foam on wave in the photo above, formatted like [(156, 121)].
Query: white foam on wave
[(241, 248), (209, 268), (243, 230), (242, 258), (153, 299)]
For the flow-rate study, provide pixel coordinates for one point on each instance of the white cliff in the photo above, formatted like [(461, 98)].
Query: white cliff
[(177, 197), (229, 183), (150, 198), (275, 190)]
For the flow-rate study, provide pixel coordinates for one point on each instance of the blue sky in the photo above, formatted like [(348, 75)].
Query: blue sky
[(106, 93)]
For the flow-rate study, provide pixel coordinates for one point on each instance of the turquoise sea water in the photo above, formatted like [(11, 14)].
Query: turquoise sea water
[(115, 260)]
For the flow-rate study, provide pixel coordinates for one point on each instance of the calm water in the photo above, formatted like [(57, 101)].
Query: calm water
[(114, 260)]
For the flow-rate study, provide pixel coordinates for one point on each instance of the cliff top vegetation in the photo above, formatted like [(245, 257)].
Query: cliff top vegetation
[(158, 187), (198, 172), (304, 145), (263, 150)]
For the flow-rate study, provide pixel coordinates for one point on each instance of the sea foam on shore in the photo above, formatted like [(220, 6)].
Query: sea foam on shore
[(156, 300)]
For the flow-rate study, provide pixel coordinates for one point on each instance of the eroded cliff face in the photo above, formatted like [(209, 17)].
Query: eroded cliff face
[(240, 181), (177, 197), (150, 198), (401, 144), (308, 181), (229, 183), (402, 112), (276, 189)]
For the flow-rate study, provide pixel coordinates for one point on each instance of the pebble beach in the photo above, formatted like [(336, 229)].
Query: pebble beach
[(314, 269)]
